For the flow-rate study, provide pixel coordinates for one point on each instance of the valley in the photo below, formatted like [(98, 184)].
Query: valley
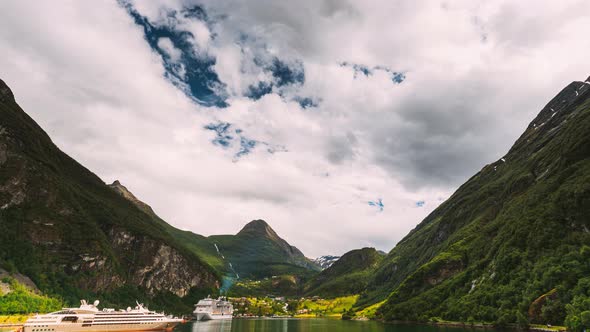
[(510, 248)]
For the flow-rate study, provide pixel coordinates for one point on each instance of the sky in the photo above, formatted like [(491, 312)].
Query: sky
[(341, 123)]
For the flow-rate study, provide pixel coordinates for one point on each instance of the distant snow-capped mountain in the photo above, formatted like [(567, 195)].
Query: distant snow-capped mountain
[(326, 261)]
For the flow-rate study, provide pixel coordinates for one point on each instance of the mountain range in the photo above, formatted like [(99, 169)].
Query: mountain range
[(510, 246), (256, 251), (76, 237)]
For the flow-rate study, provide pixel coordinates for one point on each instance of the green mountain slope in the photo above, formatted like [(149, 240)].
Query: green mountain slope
[(73, 235), (17, 298), (515, 231), (197, 244), (256, 252), (349, 275)]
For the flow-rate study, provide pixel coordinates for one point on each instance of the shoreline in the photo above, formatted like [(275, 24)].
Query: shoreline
[(484, 326), (14, 321)]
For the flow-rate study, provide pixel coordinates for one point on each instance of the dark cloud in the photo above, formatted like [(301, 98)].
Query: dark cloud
[(341, 148), (442, 134)]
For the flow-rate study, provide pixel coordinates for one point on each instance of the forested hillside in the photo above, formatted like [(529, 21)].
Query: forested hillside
[(512, 245)]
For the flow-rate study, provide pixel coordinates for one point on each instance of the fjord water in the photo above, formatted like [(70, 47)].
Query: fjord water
[(307, 325)]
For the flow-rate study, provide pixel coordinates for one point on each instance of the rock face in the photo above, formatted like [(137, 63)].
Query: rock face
[(507, 235), (123, 191), (63, 227), (22, 279), (257, 250)]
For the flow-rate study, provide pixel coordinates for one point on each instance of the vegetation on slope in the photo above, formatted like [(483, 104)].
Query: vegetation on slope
[(517, 230), (349, 275), (257, 252), (72, 234), (300, 308), (18, 299)]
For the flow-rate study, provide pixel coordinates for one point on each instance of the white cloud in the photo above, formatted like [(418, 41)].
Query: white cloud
[(477, 72), (166, 45)]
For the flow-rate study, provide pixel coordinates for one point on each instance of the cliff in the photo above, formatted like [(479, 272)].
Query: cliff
[(72, 234)]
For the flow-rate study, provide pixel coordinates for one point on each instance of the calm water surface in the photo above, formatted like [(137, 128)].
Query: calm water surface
[(307, 325)]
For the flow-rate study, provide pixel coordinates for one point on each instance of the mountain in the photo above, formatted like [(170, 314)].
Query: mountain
[(199, 245), (326, 261), (255, 252), (511, 245), (74, 236), (349, 275)]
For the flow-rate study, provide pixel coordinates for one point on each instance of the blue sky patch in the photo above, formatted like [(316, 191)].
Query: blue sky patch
[(246, 146), (223, 134), (420, 203), (378, 204), (359, 69), (256, 92), (197, 77), (283, 73), (227, 136), (306, 102), (286, 74), (398, 77)]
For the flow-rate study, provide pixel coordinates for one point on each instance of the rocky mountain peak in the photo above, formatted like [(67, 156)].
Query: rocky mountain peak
[(259, 227), (123, 191), (259, 231), (5, 92), (548, 124)]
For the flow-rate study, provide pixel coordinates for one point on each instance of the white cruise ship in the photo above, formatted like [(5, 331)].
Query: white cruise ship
[(88, 318), (209, 309)]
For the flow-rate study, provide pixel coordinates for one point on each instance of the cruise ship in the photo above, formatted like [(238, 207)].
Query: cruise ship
[(210, 309), (89, 318)]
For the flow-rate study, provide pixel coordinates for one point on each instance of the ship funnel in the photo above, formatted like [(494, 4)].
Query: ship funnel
[(96, 302)]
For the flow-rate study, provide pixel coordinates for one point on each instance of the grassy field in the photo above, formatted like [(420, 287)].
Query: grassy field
[(547, 328), (327, 308), (369, 312), (13, 319)]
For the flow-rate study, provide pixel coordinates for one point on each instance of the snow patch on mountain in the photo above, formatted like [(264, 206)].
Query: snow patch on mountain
[(326, 261)]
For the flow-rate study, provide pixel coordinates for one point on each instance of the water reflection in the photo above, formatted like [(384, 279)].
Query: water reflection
[(223, 325), (309, 325)]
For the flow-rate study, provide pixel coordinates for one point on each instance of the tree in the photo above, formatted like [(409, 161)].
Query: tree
[(521, 321), (585, 319), (573, 323), (348, 314)]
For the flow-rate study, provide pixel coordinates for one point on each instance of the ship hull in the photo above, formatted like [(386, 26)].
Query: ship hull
[(75, 327)]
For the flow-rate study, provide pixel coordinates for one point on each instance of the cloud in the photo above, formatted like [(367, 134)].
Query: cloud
[(138, 92), (166, 45)]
